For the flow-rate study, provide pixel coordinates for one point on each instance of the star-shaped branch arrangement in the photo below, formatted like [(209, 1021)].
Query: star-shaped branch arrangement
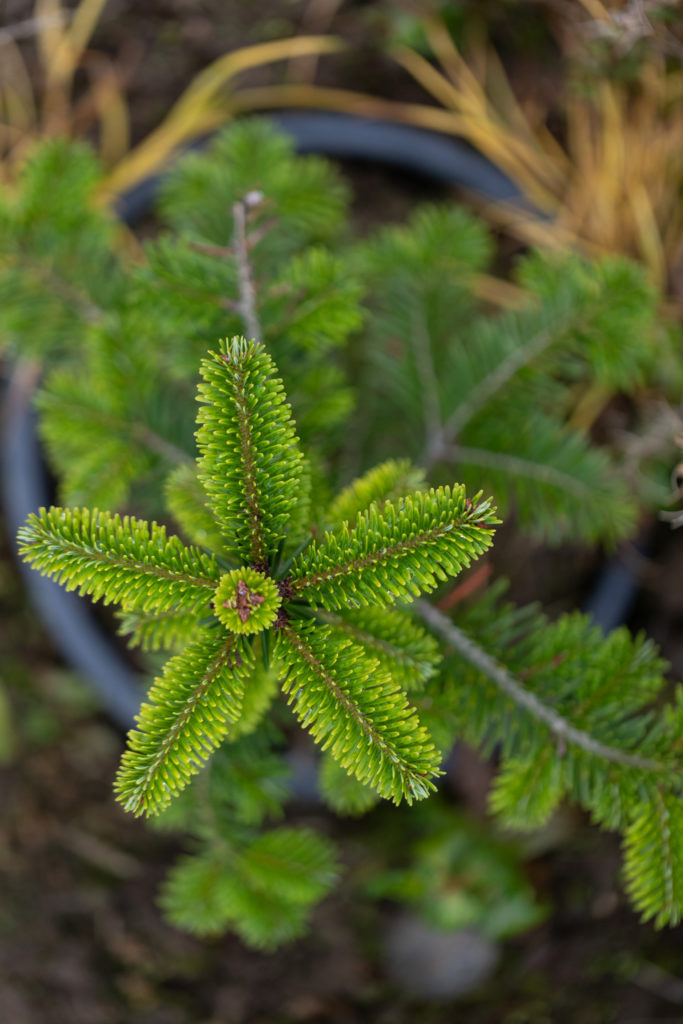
[(321, 613)]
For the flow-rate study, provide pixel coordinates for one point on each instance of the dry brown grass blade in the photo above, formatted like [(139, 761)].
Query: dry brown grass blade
[(62, 46), (345, 101), (18, 100), (590, 404), (596, 10), (615, 187), (83, 24), (433, 82), (216, 75), (448, 55), (62, 43), (315, 21), (104, 104), (480, 124), (648, 236), (50, 20), (114, 118), (203, 106), (51, 34), (498, 292), (545, 233)]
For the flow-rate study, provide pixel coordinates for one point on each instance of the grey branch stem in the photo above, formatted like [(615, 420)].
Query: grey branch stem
[(507, 683), (247, 293), (150, 439), (437, 448), (520, 467)]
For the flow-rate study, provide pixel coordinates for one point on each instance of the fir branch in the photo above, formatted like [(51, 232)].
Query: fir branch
[(189, 712), (311, 306), (186, 501), (353, 708), (388, 481), (263, 888), (248, 779), (302, 862), (408, 653), (515, 465), (653, 862), (250, 463), (510, 686), (396, 555), (488, 386), (153, 631), (48, 280), (124, 560), (343, 793), (559, 484), (196, 894), (222, 252), (305, 191), (91, 423)]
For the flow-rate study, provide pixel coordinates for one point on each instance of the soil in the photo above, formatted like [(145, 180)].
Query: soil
[(81, 938)]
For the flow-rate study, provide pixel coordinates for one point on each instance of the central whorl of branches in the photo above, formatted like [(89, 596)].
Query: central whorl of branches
[(336, 670)]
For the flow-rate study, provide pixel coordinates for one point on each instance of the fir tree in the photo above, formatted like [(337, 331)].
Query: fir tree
[(256, 590), (283, 586)]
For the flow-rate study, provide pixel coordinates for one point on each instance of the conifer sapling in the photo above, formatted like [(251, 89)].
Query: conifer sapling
[(265, 587)]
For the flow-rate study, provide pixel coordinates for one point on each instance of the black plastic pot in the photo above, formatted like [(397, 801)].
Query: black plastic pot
[(79, 637)]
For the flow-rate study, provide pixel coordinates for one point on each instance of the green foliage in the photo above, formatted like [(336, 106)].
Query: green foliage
[(59, 270), (245, 783), (395, 555), (562, 484), (154, 631), (653, 865), (455, 873), (189, 711), (246, 601), (110, 422), (614, 346), (249, 467), (124, 560), (264, 892), (186, 501), (306, 194), (491, 395), (387, 482), (120, 415), (261, 884), (575, 714), (249, 780), (402, 647), (355, 710), (343, 792), (287, 588)]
